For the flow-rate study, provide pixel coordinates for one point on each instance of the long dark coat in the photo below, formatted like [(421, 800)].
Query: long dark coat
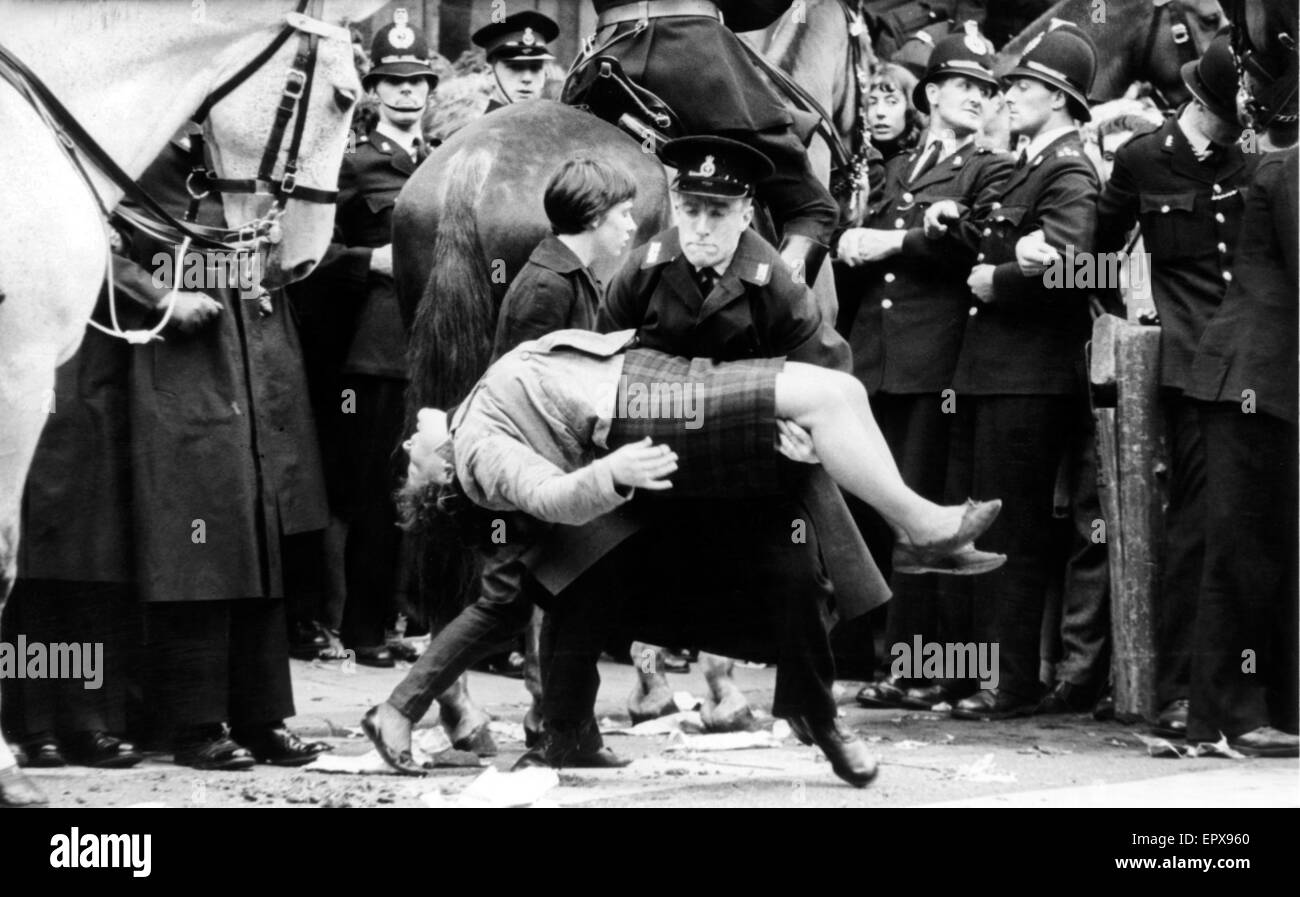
[(224, 454)]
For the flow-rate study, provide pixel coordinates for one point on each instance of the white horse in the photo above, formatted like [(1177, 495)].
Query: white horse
[(132, 73)]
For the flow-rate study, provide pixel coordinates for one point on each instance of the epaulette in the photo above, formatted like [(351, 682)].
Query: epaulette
[(655, 255), (755, 272), (1066, 152)]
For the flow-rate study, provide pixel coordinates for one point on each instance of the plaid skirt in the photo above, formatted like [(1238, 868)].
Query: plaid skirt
[(719, 417)]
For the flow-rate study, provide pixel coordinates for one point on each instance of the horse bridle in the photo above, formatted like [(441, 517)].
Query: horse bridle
[(143, 211), (1178, 30), (1247, 58)]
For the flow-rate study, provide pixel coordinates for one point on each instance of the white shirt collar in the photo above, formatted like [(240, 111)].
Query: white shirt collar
[(404, 139), (948, 145), (1044, 140)]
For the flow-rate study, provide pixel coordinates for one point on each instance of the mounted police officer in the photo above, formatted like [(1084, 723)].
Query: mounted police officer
[(685, 52), (910, 296), (1019, 375), (1185, 184), (517, 50), (357, 343)]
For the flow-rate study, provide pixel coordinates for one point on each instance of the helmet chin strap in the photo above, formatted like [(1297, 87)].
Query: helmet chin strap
[(501, 88)]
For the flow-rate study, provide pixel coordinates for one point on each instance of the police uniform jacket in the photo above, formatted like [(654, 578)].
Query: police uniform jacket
[(756, 309), (1029, 339), (1190, 212), (552, 291), (224, 455), (369, 332), (912, 307), (1251, 342)]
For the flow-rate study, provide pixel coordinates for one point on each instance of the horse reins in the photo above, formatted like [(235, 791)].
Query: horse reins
[(1178, 30), (143, 211)]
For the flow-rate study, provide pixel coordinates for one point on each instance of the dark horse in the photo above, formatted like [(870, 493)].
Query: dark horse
[(1137, 40), (1265, 44)]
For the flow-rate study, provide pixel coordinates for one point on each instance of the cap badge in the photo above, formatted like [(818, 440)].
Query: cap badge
[(529, 38), (708, 169), (401, 37)]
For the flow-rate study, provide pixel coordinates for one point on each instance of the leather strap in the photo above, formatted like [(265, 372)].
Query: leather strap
[(645, 10)]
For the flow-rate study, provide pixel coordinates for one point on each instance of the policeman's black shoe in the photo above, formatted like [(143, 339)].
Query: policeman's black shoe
[(1104, 711), (1066, 697), (1172, 722), (567, 745), (212, 749), (16, 790), (850, 759), (375, 656), (888, 692), (101, 751), (532, 728), (277, 746), (43, 753), (1267, 742), (929, 696), (993, 704), (306, 642)]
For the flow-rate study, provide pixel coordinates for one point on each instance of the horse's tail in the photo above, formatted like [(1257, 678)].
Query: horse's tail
[(451, 344), (451, 336)]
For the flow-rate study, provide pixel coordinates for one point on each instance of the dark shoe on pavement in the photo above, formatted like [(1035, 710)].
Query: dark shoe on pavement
[(850, 759), (1172, 722), (992, 704), (100, 751), (1066, 697), (43, 753), (375, 656), (1267, 742), (929, 696), (508, 663), (16, 790), (214, 752), (400, 760), (887, 692), (1104, 711), (479, 742), (277, 746), (306, 642), (571, 746)]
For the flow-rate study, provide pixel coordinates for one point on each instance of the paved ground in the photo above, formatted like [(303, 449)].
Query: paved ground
[(927, 759)]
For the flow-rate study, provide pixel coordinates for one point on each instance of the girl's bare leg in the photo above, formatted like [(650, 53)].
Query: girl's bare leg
[(832, 406)]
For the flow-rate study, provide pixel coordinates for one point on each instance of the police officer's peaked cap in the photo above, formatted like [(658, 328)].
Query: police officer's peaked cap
[(1212, 79), (522, 36), (1063, 58), (967, 55), (399, 51), (715, 166)]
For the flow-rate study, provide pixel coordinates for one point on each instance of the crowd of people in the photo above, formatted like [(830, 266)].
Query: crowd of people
[(209, 505)]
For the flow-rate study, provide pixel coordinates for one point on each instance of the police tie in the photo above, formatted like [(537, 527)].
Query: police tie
[(1021, 159), (418, 151), (705, 278), (929, 160)]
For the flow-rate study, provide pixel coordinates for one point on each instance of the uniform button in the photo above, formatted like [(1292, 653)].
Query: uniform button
[(907, 197), (996, 206), (1227, 275), (890, 278), (886, 303), (1218, 216), (898, 222), (974, 311), (1165, 208), (1218, 189), (988, 231), (1223, 247), (980, 257)]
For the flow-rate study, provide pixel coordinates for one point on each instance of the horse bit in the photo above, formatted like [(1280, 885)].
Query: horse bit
[(145, 213)]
